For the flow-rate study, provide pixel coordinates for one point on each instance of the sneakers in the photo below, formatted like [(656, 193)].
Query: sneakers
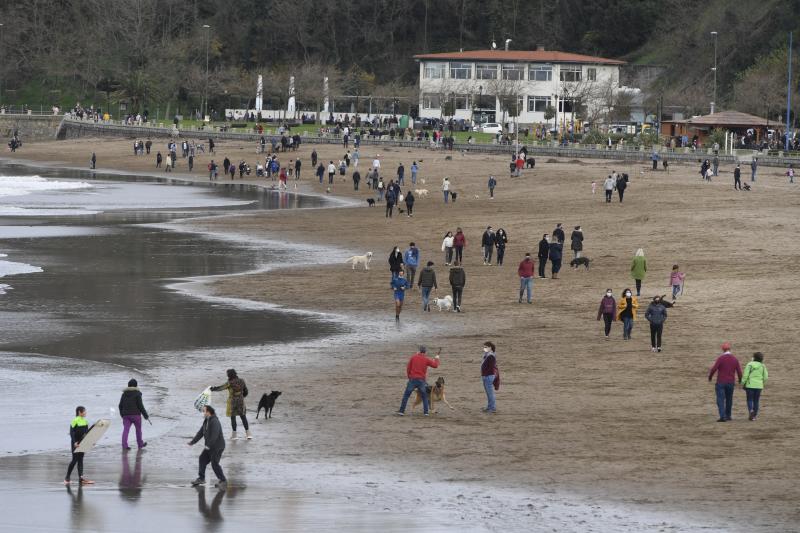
[(144, 445), (234, 436), (653, 349), (721, 420), (198, 482), (752, 416), (658, 349), (85, 481), (248, 435), (221, 485), (400, 413)]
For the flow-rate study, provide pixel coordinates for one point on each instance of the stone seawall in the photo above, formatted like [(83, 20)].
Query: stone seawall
[(29, 127)]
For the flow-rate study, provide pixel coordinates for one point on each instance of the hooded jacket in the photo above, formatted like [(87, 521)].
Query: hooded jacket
[(577, 240), (458, 278), (211, 432), (131, 403), (607, 306), (411, 257), (427, 278), (459, 240), (656, 313), (755, 375)]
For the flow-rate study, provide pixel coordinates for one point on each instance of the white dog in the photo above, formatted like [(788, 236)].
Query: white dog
[(444, 304), (421, 193), (361, 260)]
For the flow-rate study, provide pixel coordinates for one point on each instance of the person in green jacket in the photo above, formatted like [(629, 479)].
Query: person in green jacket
[(754, 378), (639, 270)]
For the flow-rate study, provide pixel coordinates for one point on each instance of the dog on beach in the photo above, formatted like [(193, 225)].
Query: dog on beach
[(665, 302), (435, 394), (530, 162), (371, 202), (745, 186), (267, 402), (578, 261), (421, 193), (444, 304), (453, 195), (360, 260)]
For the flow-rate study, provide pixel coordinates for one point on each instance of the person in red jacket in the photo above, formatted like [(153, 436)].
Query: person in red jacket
[(417, 372), (525, 272), (728, 371), (459, 242)]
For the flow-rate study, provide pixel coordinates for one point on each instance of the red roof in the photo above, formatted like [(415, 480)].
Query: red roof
[(533, 56)]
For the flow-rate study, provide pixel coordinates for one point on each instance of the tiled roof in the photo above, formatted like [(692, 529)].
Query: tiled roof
[(533, 56), (728, 118)]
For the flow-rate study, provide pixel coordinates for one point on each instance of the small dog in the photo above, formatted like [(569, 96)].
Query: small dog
[(421, 193), (530, 162), (453, 196), (371, 202), (477, 196), (444, 304), (360, 260), (575, 263), (435, 394), (745, 186), (267, 402), (594, 187)]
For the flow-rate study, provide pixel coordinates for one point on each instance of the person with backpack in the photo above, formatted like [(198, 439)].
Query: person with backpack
[(753, 380), (211, 433), (490, 375), (131, 409), (78, 429), (607, 310), (656, 314), (237, 392), (356, 179)]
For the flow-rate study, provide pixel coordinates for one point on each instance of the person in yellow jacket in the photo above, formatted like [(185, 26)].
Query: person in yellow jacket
[(626, 312), (754, 378)]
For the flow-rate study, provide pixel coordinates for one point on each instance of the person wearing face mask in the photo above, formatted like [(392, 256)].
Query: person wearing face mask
[(656, 314), (490, 375), (626, 311), (607, 310), (544, 253), (395, 261)]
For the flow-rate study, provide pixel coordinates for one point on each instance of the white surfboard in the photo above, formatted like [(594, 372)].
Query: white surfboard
[(95, 434)]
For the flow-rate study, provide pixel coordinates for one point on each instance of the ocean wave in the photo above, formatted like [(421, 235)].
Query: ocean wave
[(22, 185), (10, 268), (11, 211)]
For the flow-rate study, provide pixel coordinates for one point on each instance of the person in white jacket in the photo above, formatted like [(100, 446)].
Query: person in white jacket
[(609, 185), (447, 248), (446, 189)]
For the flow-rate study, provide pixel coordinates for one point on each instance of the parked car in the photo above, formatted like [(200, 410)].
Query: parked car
[(491, 127)]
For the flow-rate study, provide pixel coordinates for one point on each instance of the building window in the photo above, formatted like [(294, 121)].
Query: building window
[(434, 71), (540, 73), (461, 71), (566, 105), (431, 101), (512, 105), (591, 74), (569, 73), (538, 104), (486, 72), (513, 72), (462, 102)]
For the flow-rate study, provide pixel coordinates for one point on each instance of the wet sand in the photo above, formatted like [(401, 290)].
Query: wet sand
[(589, 420)]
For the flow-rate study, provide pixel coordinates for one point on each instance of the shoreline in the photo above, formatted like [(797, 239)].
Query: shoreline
[(569, 475)]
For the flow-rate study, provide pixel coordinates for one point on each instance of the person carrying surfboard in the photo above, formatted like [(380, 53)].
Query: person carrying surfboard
[(78, 429), (211, 431)]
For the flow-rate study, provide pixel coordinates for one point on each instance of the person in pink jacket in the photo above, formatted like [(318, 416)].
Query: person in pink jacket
[(676, 278)]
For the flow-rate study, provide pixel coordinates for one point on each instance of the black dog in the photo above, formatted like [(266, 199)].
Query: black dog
[(371, 202), (530, 162), (453, 196), (745, 186), (266, 403), (580, 261)]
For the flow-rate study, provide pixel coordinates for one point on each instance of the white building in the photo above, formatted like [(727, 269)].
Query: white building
[(490, 85)]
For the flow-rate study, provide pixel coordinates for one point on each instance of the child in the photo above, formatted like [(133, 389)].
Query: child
[(753, 380), (78, 429), (594, 187), (676, 280)]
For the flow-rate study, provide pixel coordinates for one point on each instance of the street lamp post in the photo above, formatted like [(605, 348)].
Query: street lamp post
[(714, 100), (205, 92)]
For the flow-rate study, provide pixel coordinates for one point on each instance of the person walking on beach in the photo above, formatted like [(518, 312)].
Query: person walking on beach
[(555, 253), (728, 370), (131, 409), (414, 170), (356, 179), (159, 160), (754, 379), (237, 392), (446, 189), (401, 173), (607, 310), (331, 172), (390, 201), (577, 242), (656, 314), (500, 242), (410, 203), (459, 242), (639, 270), (737, 178), (626, 312), (78, 429), (447, 248), (94, 161), (297, 166), (395, 261), (314, 157), (543, 254), (790, 174), (320, 172), (427, 282), (381, 187), (676, 279), (487, 242), (525, 273), (492, 185), (211, 433), (417, 374), (411, 261), (490, 375), (715, 165), (753, 169), (558, 233), (168, 162), (621, 185), (458, 279), (609, 186), (399, 285)]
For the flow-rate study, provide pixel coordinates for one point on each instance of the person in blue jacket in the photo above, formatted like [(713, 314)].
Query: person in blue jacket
[(411, 261), (399, 286)]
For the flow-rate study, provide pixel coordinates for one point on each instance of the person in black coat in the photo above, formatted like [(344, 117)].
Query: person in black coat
[(211, 432), (410, 203), (558, 234), (577, 241), (500, 241), (556, 249), (487, 241), (131, 409), (395, 261), (544, 253), (622, 184)]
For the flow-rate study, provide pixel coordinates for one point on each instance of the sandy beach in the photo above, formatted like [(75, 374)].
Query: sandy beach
[(628, 435)]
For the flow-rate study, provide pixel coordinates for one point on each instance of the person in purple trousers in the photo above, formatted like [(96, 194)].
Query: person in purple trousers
[(131, 409)]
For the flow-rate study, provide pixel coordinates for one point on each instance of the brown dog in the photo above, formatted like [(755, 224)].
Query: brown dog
[(435, 394)]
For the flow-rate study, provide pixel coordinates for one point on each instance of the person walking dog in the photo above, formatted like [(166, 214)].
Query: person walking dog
[(237, 392), (417, 373)]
